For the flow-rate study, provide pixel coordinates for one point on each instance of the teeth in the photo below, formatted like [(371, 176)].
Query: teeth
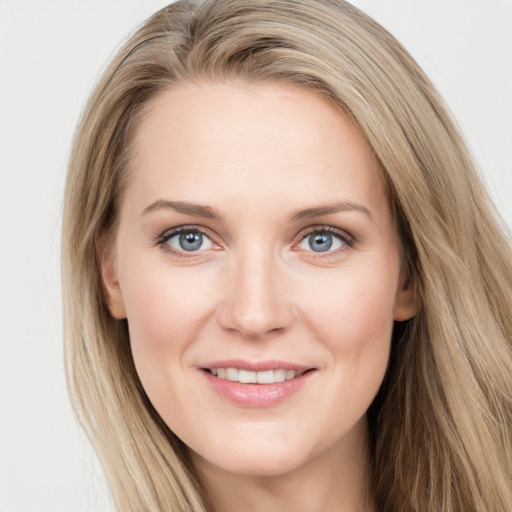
[(279, 375), (232, 374), (290, 374), (266, 377), (248, 377)]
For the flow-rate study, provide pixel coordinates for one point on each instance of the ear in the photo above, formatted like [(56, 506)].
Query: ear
[(407, 301), (111, 288)]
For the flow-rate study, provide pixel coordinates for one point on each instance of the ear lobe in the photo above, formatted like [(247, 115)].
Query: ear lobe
[(111, 288), (407, 302)]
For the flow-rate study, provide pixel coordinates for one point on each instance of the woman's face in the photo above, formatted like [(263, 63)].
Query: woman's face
[(256, 261)]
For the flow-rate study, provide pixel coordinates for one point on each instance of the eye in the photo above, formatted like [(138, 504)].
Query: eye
[(325, 240), (188, 240)]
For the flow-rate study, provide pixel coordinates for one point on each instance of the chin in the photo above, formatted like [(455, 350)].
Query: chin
[(261, 465), (264, 459)]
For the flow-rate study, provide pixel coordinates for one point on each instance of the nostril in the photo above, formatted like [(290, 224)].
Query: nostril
[(255, 311)]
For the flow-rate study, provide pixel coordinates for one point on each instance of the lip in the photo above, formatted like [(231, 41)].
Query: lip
[(256, 395), (256, 366)]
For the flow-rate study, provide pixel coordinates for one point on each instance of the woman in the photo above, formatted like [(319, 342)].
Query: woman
[(284, 286)]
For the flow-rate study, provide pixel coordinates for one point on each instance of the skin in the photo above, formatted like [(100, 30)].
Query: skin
[(257, 154)]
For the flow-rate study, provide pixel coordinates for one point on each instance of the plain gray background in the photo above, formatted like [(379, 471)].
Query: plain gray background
[(51, 53)]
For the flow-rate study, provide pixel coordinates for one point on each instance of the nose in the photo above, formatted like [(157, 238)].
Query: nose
[(256, 302)]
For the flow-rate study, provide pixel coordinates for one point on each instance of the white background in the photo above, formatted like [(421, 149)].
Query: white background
[(51, 53)]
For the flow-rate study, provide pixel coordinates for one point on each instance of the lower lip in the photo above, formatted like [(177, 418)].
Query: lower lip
[(257, 395)]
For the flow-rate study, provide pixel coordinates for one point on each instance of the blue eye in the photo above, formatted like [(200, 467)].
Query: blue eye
[(189, 240), (322, 241)]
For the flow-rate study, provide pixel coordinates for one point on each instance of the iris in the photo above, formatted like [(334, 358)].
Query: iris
[(190, 241), (320, 242)]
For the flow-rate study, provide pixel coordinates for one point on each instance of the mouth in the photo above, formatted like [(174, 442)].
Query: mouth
[(256, 377), (256, 384)]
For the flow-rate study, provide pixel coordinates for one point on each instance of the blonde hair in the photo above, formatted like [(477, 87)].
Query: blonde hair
[(440, 425)]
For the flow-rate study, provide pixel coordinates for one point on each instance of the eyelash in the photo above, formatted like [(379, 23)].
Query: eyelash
[(170, 233), (347, 239)]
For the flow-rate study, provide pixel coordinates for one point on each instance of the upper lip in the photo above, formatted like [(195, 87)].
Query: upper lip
[(256, 366)]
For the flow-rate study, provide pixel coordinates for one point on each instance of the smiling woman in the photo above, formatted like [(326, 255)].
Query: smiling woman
[(284, 286), (234, 316)]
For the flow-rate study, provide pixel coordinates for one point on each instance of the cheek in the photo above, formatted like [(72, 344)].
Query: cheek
[(152, 309), (166, 314), (166, 310), (355, 308), (355, 321)]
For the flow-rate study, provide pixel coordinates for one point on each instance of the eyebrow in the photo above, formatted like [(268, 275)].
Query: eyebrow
[(195, 210), (208, 212), (318, 211)]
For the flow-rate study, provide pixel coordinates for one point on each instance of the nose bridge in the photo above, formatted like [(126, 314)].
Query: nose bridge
[(256, 302)]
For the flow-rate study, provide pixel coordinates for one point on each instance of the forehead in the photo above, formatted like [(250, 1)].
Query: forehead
[(213, 142)]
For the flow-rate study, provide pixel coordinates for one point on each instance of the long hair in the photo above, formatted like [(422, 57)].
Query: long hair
[(440, 426)]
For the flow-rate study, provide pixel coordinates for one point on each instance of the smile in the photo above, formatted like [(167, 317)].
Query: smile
[(256, 384), (253, 377)]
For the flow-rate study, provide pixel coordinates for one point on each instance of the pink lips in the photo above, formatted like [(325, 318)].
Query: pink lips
[(256, 395)]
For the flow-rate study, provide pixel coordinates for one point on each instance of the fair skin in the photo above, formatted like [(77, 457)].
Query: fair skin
[(292, 260)]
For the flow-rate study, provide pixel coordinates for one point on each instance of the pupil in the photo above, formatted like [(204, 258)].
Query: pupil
[(320, 242), (191, 241)]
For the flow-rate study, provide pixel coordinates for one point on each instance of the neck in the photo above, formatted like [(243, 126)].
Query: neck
[(338, 479)]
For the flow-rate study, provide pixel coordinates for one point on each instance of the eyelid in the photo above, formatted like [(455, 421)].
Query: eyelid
[(320, 228), (347, 239), (169, 233)]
